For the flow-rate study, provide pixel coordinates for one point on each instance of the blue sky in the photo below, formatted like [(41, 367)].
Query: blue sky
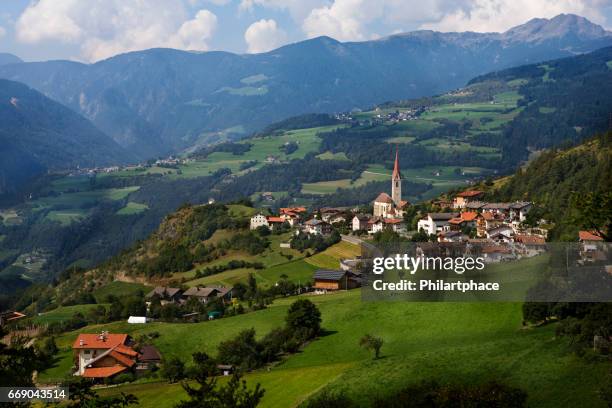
[(91, 30)]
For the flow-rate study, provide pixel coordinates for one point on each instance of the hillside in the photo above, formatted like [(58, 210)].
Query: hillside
[(556, 175), (161, 100), (38, 134)]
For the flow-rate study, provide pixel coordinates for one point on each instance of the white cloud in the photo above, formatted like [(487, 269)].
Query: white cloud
[(264, 35), (350, 20), (102, 28), (499, 15), (2, 32)]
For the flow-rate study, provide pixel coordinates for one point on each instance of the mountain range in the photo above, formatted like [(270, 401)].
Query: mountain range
[(38, 134), (159, 101)]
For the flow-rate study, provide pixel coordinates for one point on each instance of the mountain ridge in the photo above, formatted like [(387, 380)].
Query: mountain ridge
[(160, 101)]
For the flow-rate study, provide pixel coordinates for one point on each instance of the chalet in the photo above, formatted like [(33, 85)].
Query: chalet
[(166, 294), (519, 210), (207, 294), (463, 198), (475, 205), (532, 242), (103, 355), (502, 233), (325, 280), (496, 253), (375, 224), (317, 227), (204, 295), (360, 222), (148, 358), (434, 223), (589, 239)]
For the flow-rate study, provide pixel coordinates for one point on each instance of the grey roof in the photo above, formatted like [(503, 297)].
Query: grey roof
[(163, 291), (475, 205), (201, 292), (497, 206), (327, 274), (314, 221), (519, 204), (442, 216)]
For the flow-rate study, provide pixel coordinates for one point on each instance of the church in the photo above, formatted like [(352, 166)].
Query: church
[(393, 206)]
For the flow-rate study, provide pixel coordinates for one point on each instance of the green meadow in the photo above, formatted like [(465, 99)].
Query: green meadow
[(448, 342)]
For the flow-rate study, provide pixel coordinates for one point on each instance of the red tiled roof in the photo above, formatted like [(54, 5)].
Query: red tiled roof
[(469, 193), (589, 236), (530, 239), (488, 216), (456, 220), (126, 361), (96, 341), (469, 215), (275, 219), (128, 351), (103, 372), (393, 220), (383, 198), (403, 203), (293, 209)]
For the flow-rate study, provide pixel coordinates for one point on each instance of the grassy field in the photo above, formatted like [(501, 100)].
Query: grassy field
[(449, 342), (119, 289), (63, 313), (330, 258), (132, 208)]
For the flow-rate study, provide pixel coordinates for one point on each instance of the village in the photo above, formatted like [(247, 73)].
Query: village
[(497, 231)]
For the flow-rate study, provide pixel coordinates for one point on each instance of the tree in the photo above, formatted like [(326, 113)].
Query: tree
[(370, 342), (234, 394), (304, 316), (594, 212), (173, 369), (81, 395), (243, 350)]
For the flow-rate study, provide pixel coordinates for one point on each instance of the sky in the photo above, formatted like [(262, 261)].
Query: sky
[(92, 30)]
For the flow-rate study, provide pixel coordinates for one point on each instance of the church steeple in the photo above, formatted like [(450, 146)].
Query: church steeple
[(396, 181)]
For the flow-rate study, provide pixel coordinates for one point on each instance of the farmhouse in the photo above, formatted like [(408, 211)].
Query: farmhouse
[(317, 227), (103, 355), (166, 294), (325, 280), (259, 220), (206, 294), (360, 222)]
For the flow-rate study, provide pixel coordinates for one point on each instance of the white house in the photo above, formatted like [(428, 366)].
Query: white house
[(435, 223), (259, 220), (360, 222), (317, 227)]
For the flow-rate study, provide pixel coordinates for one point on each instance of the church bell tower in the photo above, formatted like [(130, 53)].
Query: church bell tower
[(396, 181)]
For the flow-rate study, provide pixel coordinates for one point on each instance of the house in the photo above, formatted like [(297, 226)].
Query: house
[(166, 294), (360, 222), (589, 240), (325, 280), (317, 227), (502, 233), (148, 358), (395, 224), (434, 223), (103, 355), (496, 253), (466, 219), (451, 236), (465, 197), (204, 295), (375, 224), (532, 242), (274, 222), (259, 220), (519, 210)]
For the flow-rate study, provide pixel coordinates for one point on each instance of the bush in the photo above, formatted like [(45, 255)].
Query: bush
[(304, 318), (123, 378), (329, 399)]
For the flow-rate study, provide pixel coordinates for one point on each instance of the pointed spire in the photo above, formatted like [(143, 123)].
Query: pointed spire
[(396, 169)]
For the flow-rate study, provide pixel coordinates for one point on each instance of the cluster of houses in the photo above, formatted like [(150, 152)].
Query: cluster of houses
[(499, 222), (178, 296), (297, 217)]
